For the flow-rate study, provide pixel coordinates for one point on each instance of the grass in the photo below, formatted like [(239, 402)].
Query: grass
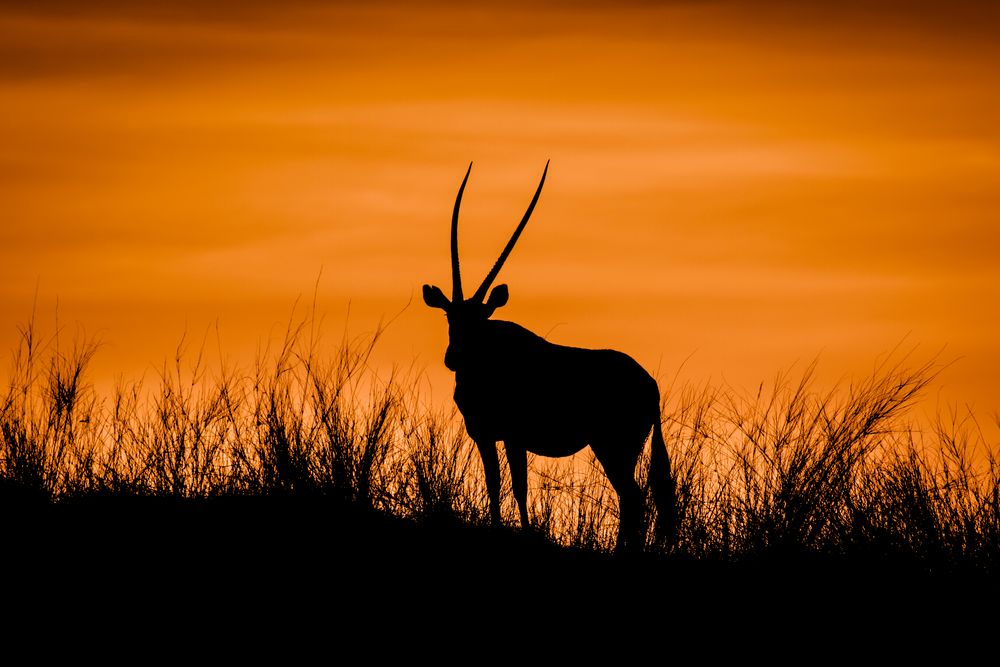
[(314, 438)]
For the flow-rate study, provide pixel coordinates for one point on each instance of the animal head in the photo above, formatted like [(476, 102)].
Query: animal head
[(466, 317)]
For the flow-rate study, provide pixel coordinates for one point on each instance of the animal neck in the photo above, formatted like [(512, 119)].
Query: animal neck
[(497, 347)]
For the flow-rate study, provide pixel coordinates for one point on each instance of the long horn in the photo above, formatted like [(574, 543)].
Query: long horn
[(491, 276), (456, 274)]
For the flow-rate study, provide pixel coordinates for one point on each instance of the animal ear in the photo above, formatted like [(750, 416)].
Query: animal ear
[(498, 297), (435, 298)]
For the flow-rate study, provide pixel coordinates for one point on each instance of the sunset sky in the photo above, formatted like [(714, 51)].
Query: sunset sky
[(735, 188)]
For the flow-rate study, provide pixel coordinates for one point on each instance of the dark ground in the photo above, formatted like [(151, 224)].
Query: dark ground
[(290, 581), (298, 580), (274, 552)]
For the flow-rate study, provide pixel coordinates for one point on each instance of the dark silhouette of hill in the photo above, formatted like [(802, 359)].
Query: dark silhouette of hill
[(281, 495), (268, 548)]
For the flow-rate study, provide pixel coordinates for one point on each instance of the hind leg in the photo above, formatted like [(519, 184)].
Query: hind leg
[(621, 473)]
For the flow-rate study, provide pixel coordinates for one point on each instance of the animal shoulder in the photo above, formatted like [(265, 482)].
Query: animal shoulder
[(510, 334), (514, 332)]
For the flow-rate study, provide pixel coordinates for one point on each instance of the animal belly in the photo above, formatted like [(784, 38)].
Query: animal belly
[(545, 434), (542, 422), (554, 447)]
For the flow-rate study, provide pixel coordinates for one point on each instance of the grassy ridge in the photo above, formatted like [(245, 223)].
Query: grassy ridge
[(786, 475)]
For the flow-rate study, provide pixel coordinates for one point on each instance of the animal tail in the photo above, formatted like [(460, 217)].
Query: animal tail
[(663, 486)]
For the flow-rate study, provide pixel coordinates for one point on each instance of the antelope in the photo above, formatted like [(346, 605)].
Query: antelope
[(514, 386)]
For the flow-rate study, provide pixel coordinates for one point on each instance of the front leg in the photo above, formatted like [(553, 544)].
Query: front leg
[(517, 459), (491, 468)]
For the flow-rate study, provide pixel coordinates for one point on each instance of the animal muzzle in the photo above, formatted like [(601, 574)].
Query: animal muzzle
[(451, 359)]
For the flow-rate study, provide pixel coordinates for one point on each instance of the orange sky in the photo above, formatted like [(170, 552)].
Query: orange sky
[(740, 185)]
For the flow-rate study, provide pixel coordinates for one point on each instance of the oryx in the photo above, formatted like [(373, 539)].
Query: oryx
[(514, 386)]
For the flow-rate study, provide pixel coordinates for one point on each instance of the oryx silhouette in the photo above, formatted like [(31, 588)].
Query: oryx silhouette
[(514, 386)]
